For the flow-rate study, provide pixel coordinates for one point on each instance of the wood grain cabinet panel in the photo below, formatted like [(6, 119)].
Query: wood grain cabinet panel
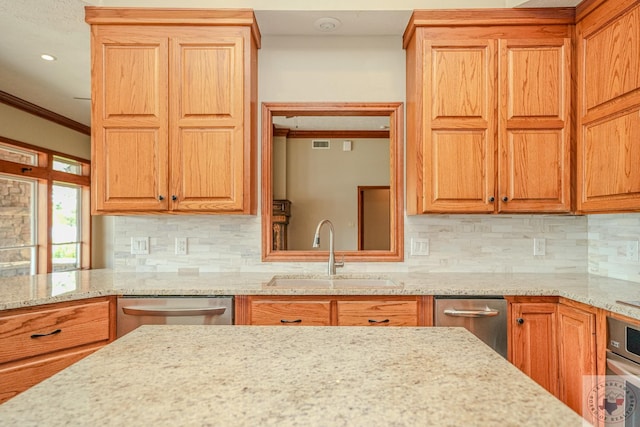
[(174, 111), (534, 171), (577, 356), (291, 313), (608, 107), (489, 111), (37, 342), (334, 310), (377, 313), (534, 347)]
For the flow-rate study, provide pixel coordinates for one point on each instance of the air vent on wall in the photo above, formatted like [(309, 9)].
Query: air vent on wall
[(320, 144)]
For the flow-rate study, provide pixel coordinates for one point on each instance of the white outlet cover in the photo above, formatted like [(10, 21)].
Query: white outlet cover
[(181, 245)]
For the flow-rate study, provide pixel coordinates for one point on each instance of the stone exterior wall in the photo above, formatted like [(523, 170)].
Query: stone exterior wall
[(15, 226)]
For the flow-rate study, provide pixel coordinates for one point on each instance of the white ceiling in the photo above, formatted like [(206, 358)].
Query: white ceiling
[(33, 27)]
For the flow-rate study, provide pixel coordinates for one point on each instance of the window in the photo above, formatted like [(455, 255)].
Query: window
[(44, 211)]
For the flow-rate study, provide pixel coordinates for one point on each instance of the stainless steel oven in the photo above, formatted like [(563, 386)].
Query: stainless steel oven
[(174, 310), (620, 403)]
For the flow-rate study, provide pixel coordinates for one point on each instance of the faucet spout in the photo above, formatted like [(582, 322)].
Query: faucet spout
[(332, 257)]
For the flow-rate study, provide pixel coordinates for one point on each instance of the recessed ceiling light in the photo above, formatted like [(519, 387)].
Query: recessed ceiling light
[(48, 57), (327, 24)]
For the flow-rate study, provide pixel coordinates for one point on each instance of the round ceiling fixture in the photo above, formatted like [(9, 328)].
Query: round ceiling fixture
[(48, 57), (327, 24)]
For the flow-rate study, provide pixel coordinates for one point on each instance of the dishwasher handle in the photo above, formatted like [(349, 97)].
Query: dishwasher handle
[(471, 313), (172, 312)]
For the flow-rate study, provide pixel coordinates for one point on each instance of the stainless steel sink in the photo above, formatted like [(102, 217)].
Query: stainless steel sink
[(332, 282)]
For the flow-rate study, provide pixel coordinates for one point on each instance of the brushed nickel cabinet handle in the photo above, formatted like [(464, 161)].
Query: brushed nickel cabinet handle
[(141, 310), (57, 331), (471, 313)]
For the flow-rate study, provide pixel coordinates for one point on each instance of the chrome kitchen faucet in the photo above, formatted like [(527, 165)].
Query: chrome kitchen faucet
[(332, 257)]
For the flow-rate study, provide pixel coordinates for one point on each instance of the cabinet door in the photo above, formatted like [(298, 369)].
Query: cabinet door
[(533, 342), (377, 313), (18, 378), (577, 355), (129, 141), (290, 313), (534, 126), (207, 120), (459, 126), (608, 109)]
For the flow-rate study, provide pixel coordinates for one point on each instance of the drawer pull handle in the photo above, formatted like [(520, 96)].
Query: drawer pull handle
[(56, 332), (143, 310), (471, 313), (379, 321), (290, 321)]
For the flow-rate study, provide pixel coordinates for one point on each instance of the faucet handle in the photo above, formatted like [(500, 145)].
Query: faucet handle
[(340, 263)]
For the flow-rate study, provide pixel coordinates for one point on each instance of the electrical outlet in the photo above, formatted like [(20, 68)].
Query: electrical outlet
[(419, 247), (632, 251), (139, 246), (539, 246), (181, 245)]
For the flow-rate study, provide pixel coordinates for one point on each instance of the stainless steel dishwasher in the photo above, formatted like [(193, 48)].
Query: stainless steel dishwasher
[(135, 311), (485, 317)]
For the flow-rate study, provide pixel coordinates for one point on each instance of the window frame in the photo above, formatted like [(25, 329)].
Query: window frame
[(45, 176)]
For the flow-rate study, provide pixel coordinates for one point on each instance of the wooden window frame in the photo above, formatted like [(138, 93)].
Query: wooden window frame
[(45, 175)]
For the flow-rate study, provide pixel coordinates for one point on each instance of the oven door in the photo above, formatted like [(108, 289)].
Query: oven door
[(621, 405)]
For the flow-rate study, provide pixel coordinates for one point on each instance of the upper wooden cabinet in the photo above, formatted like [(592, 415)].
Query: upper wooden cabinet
[(174, 110), (488, 111), (608, 106)]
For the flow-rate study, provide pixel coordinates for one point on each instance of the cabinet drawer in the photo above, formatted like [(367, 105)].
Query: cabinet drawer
[(377, 313), (19, 378), (34, 333), (301, 313)]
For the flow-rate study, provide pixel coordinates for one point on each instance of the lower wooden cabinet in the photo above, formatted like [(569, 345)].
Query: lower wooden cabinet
[(331, 310), (534, 348), (553, 340), (290, 313), (37, 342), (576, 354)]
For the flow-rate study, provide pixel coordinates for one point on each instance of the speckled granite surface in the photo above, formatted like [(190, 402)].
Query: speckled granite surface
[(41, 289), (259, 376)]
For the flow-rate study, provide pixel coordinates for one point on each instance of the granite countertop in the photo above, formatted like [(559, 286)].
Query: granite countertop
[(597, 291), (255, 376)]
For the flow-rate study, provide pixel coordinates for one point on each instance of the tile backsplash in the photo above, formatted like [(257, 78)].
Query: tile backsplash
[(613, 246), (457, 243)]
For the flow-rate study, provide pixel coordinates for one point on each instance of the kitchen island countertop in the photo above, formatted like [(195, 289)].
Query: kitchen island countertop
[(238, 375)]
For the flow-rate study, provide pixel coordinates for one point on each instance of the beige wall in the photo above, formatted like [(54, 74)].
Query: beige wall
[(341, 69), (323, 184), (24, 127), (21, 126)]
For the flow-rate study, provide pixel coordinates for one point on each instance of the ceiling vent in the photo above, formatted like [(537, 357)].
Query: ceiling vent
[(320, 144)]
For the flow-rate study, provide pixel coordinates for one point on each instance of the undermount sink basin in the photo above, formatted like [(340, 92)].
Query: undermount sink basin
[(333, 282)]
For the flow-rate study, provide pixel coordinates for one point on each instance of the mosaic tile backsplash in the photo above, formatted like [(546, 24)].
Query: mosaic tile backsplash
[(457, 243)]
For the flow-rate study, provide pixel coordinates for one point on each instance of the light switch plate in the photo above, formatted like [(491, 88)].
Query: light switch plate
[(139, 246), (539, 246), (419, 247)]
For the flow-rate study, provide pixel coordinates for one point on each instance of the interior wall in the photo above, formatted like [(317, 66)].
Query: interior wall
[(24, 127), (323, 184)]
